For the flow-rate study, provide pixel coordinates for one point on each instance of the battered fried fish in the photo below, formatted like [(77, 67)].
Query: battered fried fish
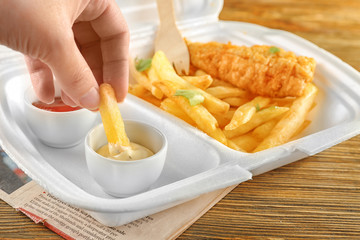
[(262, 70)]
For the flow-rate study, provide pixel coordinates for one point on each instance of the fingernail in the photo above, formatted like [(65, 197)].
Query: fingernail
[(49, 101), (69, 102), (91, 99), (46, 99)]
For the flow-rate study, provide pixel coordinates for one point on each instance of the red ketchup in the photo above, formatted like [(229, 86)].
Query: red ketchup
[(57, 106)]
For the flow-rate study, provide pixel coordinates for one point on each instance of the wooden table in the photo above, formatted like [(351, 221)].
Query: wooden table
[(317, 197)]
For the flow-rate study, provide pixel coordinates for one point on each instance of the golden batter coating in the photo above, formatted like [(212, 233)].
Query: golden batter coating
[(262, 70)]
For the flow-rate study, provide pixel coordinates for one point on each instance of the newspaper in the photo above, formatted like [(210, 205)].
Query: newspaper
[(70, 222)]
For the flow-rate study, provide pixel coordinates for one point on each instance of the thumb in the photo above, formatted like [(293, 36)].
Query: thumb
[(74, 76)]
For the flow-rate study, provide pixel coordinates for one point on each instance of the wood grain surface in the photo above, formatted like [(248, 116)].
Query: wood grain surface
[(314, 198)]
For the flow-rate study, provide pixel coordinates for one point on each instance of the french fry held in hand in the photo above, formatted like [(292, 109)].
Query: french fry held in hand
[(112, 121)]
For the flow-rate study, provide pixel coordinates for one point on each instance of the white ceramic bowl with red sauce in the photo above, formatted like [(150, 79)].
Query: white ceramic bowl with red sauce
[(57, 129)]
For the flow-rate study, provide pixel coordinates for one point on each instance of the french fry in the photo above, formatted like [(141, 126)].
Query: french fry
[(147, 96), (313, 106), (171, 107), (259, 118), (305, 124), (264, 129), (141, 92), (219, 135), (198, 113), (246, 142), (152, 75), (224, 119), (235, 101), (233, 145), (226, 92), (112, 120), (201, 116), (192, 70), (203, 119), (245, 112), (137, 89), (202, 82), (200, 72), (292, 120), (168, 76), (168, 89), (217, 83), (282, 102), (142, 79)]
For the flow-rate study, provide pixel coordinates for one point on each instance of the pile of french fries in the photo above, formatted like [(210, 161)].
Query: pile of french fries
[(230, 115)]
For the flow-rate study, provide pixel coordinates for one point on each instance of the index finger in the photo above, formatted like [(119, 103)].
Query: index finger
[(112, 29)]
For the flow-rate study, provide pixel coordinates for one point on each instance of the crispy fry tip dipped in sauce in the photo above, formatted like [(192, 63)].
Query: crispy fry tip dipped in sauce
[(119, 146)]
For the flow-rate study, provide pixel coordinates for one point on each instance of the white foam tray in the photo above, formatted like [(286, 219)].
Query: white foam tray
[(196, 163)]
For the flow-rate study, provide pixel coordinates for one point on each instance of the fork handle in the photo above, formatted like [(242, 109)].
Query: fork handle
[(166, 12)]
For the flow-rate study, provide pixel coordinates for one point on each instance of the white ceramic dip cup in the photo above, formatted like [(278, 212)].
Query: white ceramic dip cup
[(124, 178), (57, 129)]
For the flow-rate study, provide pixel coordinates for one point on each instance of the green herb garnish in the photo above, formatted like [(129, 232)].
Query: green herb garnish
[(257, 106), (274, 50), (193, 96), (142, 64), (271, 108)]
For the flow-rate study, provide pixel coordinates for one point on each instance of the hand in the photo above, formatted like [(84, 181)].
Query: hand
[(82, 43)]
